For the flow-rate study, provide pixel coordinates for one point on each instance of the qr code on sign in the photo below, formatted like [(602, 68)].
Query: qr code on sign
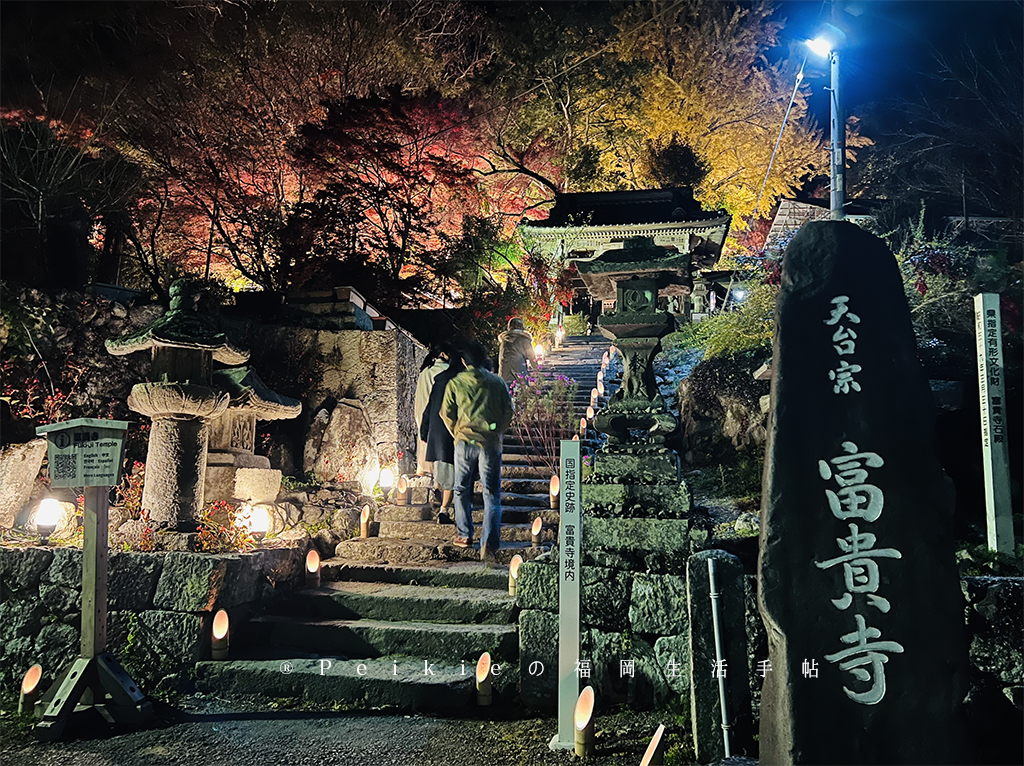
[(64, 467)]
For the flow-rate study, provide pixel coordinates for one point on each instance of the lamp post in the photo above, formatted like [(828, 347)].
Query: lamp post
[(828, 44)]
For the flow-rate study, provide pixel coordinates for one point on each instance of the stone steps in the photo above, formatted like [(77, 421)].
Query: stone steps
[(366, 638), (418, 530), (397, 682), (423, 603), (441, 574), (383, 550)]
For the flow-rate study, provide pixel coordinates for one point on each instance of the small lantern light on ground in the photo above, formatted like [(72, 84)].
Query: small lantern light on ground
[(259, 522), (576, 438), (30, 689), (590, 413), (612, 351), (605, 359), (655, 753), (600, 388), (402, 491), (583, 427), (583, 723), (46, 519), (600, 376), (593, 397), (313, 568), (386, 480), (364, 522), (483, 680), (554, 486), (535, 529), (513, 573), (559, 337), (219, 643), (538, 351)]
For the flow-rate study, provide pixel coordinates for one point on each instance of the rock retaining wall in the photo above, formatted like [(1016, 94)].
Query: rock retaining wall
[(160, 606), (378, 368)]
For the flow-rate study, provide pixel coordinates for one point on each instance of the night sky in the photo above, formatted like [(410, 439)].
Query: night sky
[(892, 42)]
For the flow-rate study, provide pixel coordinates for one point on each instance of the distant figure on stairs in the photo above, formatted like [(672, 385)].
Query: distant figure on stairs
[(432, 366), (477, 410), (515, 351), (440, 444)]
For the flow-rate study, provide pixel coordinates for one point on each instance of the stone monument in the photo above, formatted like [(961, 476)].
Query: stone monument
[(184, 400), (859, 590)]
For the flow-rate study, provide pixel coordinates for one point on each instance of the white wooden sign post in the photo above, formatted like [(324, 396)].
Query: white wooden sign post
[(569, 577), (992, 397), (87, 453)]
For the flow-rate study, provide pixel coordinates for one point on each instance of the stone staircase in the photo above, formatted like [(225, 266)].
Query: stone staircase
[(401, 618)]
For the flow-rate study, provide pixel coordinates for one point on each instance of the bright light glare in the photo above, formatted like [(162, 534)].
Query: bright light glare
[(259, 520), (386, 478), (49, 512), (538, 350), (739, 294), (820, 46)]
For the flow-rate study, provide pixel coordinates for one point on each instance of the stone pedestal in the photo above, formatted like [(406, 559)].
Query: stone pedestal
[(178, 441)]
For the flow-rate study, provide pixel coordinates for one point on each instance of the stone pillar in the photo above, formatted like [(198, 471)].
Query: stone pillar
[(176, 459), (705, 707), (859, 588)]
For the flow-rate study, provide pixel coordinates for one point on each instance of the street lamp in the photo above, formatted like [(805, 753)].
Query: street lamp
[(828, 44)]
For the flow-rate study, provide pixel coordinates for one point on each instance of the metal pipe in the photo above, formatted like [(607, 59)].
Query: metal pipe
[(715, 595)]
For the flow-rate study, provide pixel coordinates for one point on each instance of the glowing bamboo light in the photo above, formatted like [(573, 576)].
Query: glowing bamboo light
[(593, 397), (576, 438), (605, 360), (536, 528), (655, 753), (600, 377), (554, 486), (583, 723), (386, 480), (259, 522), (583, 427), (30, 689), (219, 643), (590, 413), (403, 491), (483, 680), (46, 519), (313, 568), (364, 522), (600, 388), (538, 351), (513, 573), (559, 337)]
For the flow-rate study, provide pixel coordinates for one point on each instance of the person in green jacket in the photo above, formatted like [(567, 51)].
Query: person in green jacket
[(477, 410)]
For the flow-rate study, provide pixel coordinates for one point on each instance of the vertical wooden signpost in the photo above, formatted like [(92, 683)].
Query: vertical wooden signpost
[(992, 398), (569, 576), (87, 452)]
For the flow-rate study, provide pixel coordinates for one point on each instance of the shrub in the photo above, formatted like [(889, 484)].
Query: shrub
[(544, 413)]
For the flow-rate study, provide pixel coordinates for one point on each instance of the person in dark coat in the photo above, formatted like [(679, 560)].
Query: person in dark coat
[(440, 444)]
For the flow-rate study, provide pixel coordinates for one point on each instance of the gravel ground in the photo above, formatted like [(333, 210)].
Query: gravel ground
[(197, 731)]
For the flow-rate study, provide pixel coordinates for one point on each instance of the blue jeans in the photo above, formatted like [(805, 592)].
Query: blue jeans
[(469, 460)]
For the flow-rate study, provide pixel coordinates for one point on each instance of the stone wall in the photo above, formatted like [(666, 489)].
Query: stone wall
[(643, 616), (160, 606), (378, 368)]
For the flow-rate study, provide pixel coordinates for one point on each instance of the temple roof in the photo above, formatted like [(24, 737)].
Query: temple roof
[(624, 208), (248, 391), (180, 327)]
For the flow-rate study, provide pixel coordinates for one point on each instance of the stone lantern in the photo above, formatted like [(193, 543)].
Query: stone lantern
[(181, 400), (233, 471)]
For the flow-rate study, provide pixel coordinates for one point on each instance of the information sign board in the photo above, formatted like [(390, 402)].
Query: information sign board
[(85, 452)]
